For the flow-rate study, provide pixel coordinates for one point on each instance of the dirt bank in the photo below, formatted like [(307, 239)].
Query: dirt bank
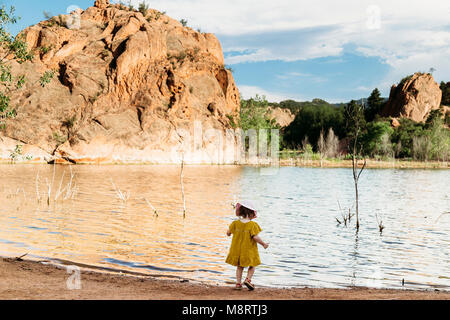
[(33, 280)]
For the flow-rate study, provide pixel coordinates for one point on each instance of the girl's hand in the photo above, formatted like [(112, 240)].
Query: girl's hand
[(266, 245)]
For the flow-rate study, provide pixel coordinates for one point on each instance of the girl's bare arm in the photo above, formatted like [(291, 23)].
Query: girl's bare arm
[(261, 242)]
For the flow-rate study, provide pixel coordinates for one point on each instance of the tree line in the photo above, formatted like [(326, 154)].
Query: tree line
[(327, 130)]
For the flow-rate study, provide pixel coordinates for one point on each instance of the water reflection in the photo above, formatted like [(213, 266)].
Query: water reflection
[(298, 211)]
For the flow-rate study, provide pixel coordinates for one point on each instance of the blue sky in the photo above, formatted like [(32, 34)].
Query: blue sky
[(298, 49)]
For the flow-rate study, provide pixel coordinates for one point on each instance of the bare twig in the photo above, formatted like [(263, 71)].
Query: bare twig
[(20, 258), (346, 218), (364, 166), (49, 191), (152, 207), (38, 195), (441, 216), (124, 196), (380, 224), (58, 193)]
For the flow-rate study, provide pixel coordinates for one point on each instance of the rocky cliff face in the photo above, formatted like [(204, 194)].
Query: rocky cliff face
[(414, 98), (125, 86)]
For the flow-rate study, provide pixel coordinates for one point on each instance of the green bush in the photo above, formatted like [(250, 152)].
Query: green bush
[(402, 137), (143, 8), (377, 139)]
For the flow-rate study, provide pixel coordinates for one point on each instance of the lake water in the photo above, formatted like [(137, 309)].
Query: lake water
[(298, 211)]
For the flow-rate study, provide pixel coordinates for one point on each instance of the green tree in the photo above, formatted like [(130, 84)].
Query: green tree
[(310, 121), (295, 106), (445, 87), (254, 114), (375, 104), (15, 47)]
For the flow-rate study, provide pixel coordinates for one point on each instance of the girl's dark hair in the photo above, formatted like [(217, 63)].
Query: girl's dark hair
[(245, 212)]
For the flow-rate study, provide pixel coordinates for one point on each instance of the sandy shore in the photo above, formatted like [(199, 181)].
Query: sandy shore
[(34, 280)]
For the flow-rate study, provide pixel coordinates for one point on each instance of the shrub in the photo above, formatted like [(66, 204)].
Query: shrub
[(59, 139), (402, 137), (46, 78), (143, 8), (45, 50), (377, 139), (421, 149)]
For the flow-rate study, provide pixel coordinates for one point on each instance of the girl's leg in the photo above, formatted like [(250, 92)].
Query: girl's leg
[(248, 281), (251, 272), (239, 272)]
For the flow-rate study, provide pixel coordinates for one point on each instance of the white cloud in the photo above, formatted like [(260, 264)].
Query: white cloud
[(299, 75), (233, 17), (408, 35), (248, 92)]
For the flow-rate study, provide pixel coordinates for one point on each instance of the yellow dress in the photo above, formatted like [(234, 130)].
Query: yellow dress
[(244, 250)]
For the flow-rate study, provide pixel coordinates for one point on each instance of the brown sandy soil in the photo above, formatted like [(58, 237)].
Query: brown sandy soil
[(33, 280)]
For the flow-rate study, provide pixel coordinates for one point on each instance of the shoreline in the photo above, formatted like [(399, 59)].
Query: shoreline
[(33, 280), (296, 163)]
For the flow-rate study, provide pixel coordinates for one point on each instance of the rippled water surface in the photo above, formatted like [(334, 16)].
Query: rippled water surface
[(298, 214)]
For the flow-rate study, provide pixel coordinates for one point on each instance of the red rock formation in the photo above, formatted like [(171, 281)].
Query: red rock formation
[(125, 85), (283, 117), (414, 98)]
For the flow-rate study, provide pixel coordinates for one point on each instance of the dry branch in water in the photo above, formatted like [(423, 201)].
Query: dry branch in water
[(346, 218), (124, 196), (152, 207), (380, 224)]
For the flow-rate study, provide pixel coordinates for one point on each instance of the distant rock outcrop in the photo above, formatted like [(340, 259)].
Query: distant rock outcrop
[(124, 87), (282, 116), (414, 97)]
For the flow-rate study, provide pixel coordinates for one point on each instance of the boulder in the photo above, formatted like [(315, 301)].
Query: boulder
[(283, 117), (413, 98), (395, 123)]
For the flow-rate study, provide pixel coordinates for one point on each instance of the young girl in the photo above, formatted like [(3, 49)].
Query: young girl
[(244, 248)]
